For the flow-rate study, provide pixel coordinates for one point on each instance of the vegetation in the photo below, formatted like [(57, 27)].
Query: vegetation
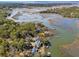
[(13, 36), (72, 12)]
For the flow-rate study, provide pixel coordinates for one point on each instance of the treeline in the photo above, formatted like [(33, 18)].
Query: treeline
[(47, 4)]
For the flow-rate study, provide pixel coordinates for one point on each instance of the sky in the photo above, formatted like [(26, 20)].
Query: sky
[(39, 0)]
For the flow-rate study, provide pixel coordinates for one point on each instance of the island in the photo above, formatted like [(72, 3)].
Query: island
[(68, 12)]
